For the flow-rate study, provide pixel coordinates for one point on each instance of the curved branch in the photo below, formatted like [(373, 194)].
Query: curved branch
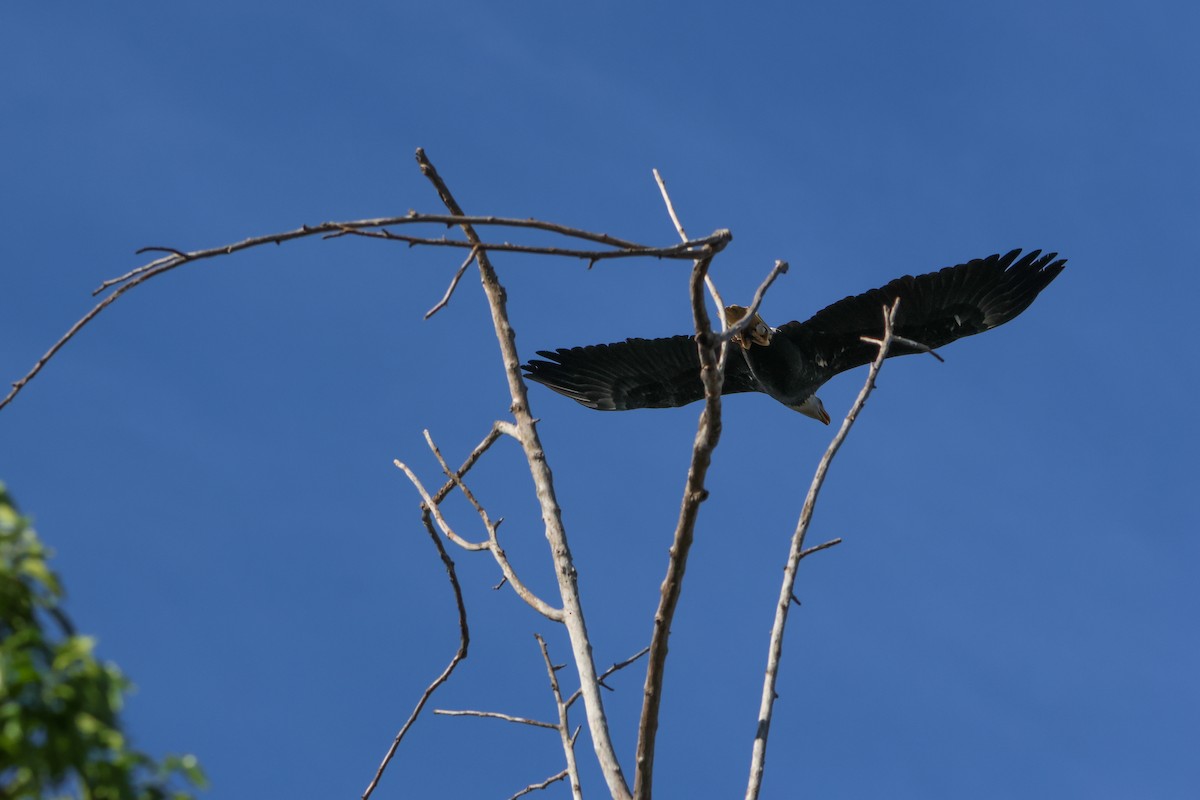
[(435, 509), (493, 542), (464, 643), (178, 258)]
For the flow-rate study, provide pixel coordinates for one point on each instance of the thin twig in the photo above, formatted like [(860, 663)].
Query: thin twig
[(818, 548), (437, 512), (498, 428), (740, 327), (493, 543), (564, 727), (445, 301), (543, 480), (464, 642), (537, 723), (708, 281), (684, 250), (533, 787), (920, 348), (786, 592), (620, 665)]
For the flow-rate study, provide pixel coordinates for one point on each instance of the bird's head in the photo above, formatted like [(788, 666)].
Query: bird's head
[(813, 407), (758, 333)]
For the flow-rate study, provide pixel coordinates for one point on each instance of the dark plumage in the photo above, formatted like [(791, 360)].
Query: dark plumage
[(791, 362)]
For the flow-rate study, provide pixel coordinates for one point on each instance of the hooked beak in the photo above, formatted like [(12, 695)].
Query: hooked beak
[(814, 408)]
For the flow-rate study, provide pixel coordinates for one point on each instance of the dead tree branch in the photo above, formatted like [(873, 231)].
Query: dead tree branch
[(775, 649), (708, 281), (445, 301), (464, 632), (564, 727), (177, 258), (679, 251), (537, 723), (819, 547), (707, 436), (533, 787), (620, 665), (493, 543), (712, 350), (740, 327), (526, 430), (463, 644)]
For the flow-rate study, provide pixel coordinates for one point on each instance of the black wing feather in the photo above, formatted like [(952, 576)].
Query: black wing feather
[(635, 373), (935, 309)]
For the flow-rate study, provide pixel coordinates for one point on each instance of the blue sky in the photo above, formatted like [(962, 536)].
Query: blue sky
[(1013, 610)]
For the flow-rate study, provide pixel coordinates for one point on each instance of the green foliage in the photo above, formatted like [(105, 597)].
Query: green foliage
[(60, 732)]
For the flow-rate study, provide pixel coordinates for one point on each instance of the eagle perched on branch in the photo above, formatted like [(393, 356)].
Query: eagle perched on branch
[(792, 361)]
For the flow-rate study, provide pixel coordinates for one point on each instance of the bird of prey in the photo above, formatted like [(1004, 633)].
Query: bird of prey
[(791, 362)]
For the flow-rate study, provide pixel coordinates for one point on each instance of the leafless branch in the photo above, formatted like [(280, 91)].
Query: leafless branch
[(712, 349), (533, 787), (453, 283), (921, 348), (713, 352), (437, 512), (499, 427), (564, 727), (738, 328), (678, 251), (526, 430), (537, 723), (708, 281), (727, 333), (818, 548), (66, 337), (694, 493), (463, 644), (493, 543), (775, 649), (412, 217), (620, 665), (177, 258)]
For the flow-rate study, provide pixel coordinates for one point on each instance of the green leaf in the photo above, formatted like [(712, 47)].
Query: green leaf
[(60, 731)]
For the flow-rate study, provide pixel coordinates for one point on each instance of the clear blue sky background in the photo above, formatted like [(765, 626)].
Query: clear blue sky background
[(1013, 611)]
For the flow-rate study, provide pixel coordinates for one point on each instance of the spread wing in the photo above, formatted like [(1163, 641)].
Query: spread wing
[(635, 373), (935, 309)]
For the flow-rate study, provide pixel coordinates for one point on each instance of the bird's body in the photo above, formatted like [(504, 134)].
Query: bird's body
[(791, 362)]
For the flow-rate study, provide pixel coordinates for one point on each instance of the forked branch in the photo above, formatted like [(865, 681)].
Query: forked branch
[(526, 433), (564, 727)]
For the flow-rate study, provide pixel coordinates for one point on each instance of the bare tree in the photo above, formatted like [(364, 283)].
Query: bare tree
[(568, 608)]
